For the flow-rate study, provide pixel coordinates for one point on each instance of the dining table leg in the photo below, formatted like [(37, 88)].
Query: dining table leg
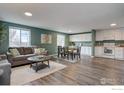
[(72, 56)]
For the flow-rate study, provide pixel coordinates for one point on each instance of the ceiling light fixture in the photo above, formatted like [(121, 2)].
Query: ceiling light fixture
[(113, 24), (28, 14), (69, 31)]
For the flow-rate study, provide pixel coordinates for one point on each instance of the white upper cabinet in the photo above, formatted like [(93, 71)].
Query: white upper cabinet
[(88, 37), (122, 34), (110, 35), (99, 36), (72, 38), (118, 35), (98, 51), (81, 37), (119, 53)]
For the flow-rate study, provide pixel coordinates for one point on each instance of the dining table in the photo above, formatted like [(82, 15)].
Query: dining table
[(71, 51)]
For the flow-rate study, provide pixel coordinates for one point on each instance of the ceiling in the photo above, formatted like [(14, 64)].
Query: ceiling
[(67, 18)]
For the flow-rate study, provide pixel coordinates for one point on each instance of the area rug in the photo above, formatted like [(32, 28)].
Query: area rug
[(25, 74)]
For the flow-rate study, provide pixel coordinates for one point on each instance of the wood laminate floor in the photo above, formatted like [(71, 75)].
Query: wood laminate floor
[(87, 71)]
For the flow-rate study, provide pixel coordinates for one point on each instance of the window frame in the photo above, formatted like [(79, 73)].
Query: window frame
[(20, 29), (64, 39)]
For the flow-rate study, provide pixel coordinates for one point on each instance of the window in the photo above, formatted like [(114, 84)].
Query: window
[(60, 40), (19, 37)]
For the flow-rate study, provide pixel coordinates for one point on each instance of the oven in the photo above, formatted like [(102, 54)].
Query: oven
[(109, 49)]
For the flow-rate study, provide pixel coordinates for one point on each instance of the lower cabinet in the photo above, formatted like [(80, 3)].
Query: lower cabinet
[(119, 53), (98, 51), (85, 50)]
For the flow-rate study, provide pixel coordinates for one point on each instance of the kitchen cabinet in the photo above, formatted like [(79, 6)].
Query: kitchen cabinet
[(87, 37), (105, 35), (86, 50), (99, 36), (119, 53), (98, 51), (80, 37), (122, 34), (118, 35), (108, 35), (73, 38)]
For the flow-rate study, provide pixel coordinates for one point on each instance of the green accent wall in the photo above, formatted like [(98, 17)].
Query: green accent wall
[(35, 37)]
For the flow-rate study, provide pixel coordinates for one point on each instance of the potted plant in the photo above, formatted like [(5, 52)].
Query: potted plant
[(3, 33)]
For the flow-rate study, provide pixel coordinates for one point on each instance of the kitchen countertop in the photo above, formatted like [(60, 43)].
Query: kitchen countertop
[(120, 46), (111, 46), (98, 46)]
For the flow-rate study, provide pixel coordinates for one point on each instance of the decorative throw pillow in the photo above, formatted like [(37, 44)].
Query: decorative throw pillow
[(14, 52), (41, 49), (37, 51)]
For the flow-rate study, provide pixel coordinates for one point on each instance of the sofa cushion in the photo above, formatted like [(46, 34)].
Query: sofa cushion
[(4, 61), (14, 52), (29, 55), (20, 57), (28, 50), (21, 51)]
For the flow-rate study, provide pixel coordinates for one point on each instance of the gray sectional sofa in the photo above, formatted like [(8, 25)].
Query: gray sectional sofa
[(25, 52), (5, 67)]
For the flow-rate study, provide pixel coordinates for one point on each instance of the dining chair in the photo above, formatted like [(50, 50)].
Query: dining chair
[(66, 52), (77, 52), (71, 53), (60, 51)]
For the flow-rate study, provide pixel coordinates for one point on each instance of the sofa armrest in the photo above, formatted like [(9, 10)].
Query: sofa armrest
[(3, 56), (45, 52), (6, 67), (9, 55)]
